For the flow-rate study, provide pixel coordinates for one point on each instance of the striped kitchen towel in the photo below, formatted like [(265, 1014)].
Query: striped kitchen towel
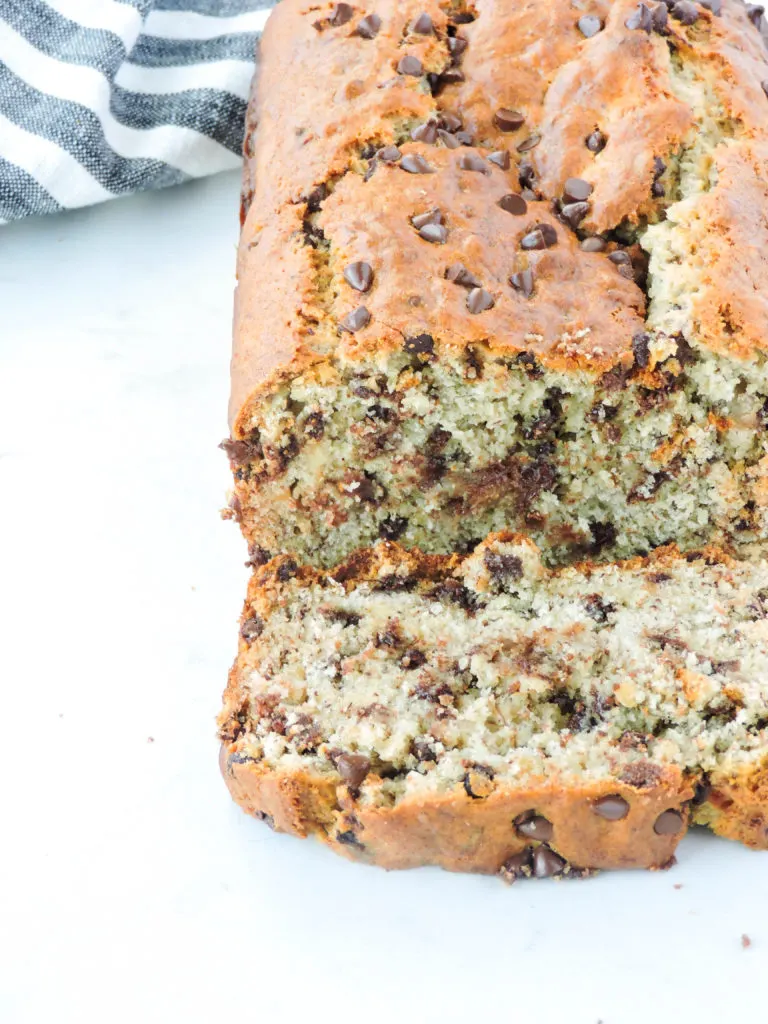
[(99, 98)]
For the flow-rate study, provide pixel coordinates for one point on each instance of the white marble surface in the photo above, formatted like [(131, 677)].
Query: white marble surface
[(131, 889)]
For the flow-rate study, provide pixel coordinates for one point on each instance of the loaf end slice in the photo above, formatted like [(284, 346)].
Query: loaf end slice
[(488, 714)]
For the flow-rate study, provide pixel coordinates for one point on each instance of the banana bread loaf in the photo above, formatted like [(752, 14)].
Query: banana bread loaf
[(503, 266), (487, 714)]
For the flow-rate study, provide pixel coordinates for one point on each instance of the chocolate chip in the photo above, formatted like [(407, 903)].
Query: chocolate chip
[(478, 781), (410, 65), (574, 213), (257, 556), (458, 274), (668, 824), (420, 345), (612, 808), (640, 349), (534, 826), (389, 154), (576, 190), (507, 120), (519, 865), (660, 19), (547, 863), (450, 122), (252, 628), (603, 534), (448, 140), (341, 14), (715, 6), (356, 320), (426, 132), (423, 25), (526, 174), (462, 17), (435, 233), (620, 258), (240, 453), (349, 838), (415, 164), (702, 792), (413, 658), (433, 216), (528, 144), (457, 46), (685, 12), (596, 141), (641, 19), (542, 236), (502, 568), (353, 769), (658, 190), (287, 570), (359, 276), (513, 204), (393, 527), (589, 25), (368, 27), (314, 425), (472, 162), (268, 820), (523, 282), (464, 138), (593, 244), (501, 158), (479, 300)]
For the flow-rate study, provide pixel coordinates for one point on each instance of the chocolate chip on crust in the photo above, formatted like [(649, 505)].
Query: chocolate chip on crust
[(507, 120), (356, 320), (478, 781), (541, 236), (547, 863), (268, 820), (369, 26), (514, 204), (359, 275), (479, 300), (423, 25), (589, 25), (458, 274), (596, 141), (523, 282), (349, 838), (612, 807), (410, 65), (415, 164), (669, 823), (641, 19), (534, 826), (519, 865)]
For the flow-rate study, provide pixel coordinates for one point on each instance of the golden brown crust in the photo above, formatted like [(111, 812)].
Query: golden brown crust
[(345, 95), (459, 833)]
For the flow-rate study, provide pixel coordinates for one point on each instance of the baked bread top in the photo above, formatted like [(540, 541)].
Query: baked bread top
[(614, 121)]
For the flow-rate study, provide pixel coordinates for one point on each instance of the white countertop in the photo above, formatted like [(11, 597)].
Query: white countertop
[(131, 888)]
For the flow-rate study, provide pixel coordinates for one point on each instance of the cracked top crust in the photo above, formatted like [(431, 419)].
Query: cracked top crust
[(665, 127)]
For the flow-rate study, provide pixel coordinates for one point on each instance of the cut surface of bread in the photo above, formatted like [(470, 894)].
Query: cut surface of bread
[(486, 713), (486, 283)]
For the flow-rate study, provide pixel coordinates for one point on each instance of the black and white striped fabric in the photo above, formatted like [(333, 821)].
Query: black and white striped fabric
[(99, 98)]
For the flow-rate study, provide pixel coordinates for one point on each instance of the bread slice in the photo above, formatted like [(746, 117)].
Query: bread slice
[(485, 713), (454, 317)]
